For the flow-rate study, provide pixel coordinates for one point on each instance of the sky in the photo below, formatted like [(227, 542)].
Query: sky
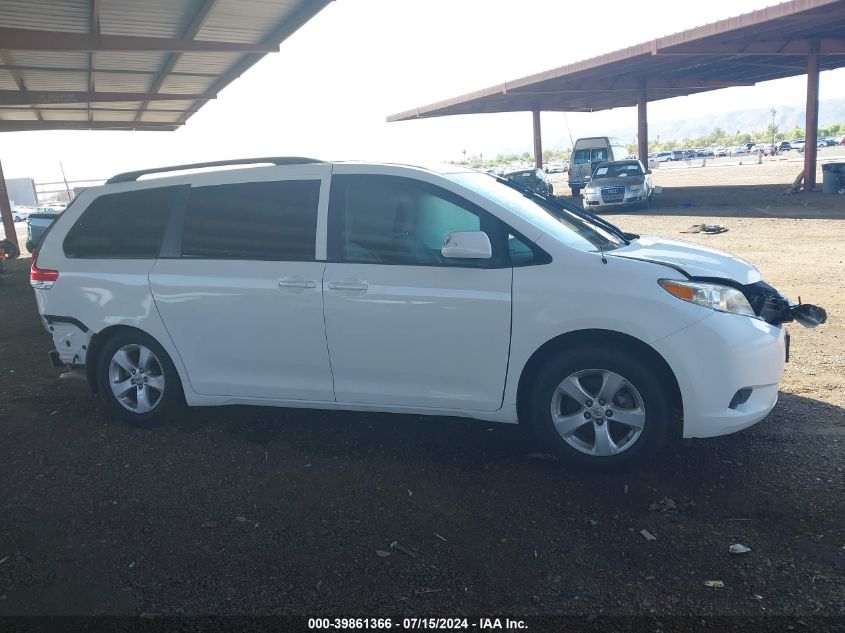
[(327, 93)]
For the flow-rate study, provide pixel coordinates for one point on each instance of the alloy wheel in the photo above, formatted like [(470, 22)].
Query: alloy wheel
[(598, 412), (136, 378)]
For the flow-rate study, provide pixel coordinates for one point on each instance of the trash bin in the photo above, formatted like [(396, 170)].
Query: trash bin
[(833, 178)]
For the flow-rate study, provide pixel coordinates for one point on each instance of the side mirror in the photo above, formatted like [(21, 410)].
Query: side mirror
[(647, 171), (467, 245)]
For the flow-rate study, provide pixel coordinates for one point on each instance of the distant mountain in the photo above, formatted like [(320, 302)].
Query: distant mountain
[(746, 121)]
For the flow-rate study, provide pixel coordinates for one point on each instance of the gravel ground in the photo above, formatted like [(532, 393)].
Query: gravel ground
[(271, 511)]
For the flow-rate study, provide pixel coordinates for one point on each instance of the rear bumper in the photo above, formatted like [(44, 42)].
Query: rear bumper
[(70, 337), (716, 358)]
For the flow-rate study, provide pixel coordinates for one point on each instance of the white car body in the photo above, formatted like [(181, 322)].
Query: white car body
[(410, 338)]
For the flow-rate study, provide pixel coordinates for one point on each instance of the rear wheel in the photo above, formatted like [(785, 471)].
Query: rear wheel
[(601, 409), (137, 380), (575, 190)]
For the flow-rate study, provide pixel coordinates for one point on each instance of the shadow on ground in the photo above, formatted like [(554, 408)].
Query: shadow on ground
[(751, 201)]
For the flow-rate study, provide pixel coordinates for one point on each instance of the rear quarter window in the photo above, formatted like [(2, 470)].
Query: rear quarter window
[(128, 225), (263, 221)]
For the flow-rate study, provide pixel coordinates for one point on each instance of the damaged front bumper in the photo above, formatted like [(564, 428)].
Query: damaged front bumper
[(729, 366), (774, 308)]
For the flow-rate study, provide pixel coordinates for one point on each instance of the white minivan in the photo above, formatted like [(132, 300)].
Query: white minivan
[(382, 287)]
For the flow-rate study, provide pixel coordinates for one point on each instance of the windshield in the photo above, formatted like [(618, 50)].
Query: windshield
[(618, 171), (566, 227)]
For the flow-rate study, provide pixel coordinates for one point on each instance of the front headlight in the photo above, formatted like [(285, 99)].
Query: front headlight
[(709, 295), (635, 188), (590, 190)]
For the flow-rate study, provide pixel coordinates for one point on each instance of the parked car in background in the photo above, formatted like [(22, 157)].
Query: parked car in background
[(39, 221), (52, 207), (378, 287), (784, 146), (797, 144), (720, 151), (587, 153), (535, 179), (19, 214), (662, 157), (620, 183)]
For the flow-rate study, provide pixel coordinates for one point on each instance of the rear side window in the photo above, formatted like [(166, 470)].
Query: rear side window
[(581, 156), (270, 221), (127, 225)]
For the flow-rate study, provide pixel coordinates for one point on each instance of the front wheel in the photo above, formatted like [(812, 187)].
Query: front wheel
[(136, 379), (600, 408)]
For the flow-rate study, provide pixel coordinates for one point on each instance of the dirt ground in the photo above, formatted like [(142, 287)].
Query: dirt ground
[(267, 511), (739, 186)]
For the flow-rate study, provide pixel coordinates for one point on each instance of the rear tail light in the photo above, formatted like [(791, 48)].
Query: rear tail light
[(41, 278)]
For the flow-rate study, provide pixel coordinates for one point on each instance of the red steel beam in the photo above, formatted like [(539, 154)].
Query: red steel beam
[(46, 97), (105, 71), (634, 84), (812, 113), (25, 126), (642, 123), (538, 139), (6, 211), (32, 40), (772, 47)]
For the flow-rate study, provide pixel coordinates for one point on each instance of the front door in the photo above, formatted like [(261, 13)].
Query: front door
[(241, 297), (405, 326)]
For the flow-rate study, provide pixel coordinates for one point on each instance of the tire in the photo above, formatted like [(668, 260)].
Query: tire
[(154, 395), (575, 190), (639, 397)]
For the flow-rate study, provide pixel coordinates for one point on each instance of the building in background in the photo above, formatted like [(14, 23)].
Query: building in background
[(22, 192)]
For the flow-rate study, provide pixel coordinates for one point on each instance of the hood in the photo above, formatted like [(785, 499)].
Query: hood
[(693, 259), (623, 181)]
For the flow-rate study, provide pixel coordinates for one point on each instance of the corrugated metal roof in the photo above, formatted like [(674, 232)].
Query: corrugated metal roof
[(771, 43), (64, 54)]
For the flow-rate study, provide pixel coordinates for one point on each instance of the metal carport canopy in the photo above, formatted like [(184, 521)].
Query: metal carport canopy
[(788, 39), (126, 64)]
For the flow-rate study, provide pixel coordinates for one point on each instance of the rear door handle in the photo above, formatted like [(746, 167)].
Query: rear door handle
[(348, 285), (296, 281)]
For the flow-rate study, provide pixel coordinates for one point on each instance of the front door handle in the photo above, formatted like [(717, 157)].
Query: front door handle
[(296, 281), (349, 284)]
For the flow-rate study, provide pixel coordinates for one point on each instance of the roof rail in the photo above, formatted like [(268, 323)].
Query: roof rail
[(131, 176)]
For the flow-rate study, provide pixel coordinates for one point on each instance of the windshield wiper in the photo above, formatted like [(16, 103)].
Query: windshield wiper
[(560, 205)]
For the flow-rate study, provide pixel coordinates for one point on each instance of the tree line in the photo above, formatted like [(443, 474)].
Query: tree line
[(716, 137)]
